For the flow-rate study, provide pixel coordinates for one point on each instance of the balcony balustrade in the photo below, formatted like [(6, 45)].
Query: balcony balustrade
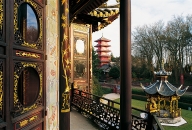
[(107, 115)]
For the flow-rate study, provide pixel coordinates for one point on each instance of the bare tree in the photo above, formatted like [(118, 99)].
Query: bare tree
[(177, 36), (142, 44), (149, 42), (158, 41)]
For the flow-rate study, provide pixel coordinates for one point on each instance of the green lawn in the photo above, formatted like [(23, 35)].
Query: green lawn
[(186, 114)]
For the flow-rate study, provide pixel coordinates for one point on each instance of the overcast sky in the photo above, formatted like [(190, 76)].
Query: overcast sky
[(144, 12)]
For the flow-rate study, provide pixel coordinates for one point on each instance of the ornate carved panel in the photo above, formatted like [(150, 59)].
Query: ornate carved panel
[(80, 69), (28, 32), (81, 55), (26, 54), (28, 82), (80, 45), (27, 121)]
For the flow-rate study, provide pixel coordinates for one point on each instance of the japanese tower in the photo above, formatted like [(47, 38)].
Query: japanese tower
[(103, 50)]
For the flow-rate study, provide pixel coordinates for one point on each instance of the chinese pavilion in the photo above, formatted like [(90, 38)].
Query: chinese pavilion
[(103, 50), (162, 98)]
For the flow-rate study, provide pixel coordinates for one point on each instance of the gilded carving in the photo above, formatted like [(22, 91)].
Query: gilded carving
[(1, 18), (65, 37), (23, 123), (66, 102), (66, 67), (19, 67), (63, 1), (63, 17), (32, 118), (66, 63), (27, 54), (81, 27), (27, 121), (18, 38)]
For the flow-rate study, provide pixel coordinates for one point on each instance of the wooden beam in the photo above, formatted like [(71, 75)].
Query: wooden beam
[(79, 7), (82, 5)]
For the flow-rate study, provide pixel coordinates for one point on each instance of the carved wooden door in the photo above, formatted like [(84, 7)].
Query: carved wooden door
[(81, 56), (22, 64)]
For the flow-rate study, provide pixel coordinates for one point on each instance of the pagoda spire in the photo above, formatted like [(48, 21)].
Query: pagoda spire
[(103, 50)]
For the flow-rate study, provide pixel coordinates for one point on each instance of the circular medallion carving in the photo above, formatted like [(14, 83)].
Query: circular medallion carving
[(28, 86)]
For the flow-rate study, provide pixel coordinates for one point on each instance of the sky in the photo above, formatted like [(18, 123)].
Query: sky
[(143, 12)]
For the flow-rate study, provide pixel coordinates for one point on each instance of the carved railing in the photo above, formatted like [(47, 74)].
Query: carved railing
[(106, 113)]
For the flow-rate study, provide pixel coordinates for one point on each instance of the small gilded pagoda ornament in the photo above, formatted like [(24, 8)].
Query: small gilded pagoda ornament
[(162, 98)]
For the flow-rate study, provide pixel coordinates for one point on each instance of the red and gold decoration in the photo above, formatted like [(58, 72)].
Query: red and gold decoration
[(65, 56), (65, 66)]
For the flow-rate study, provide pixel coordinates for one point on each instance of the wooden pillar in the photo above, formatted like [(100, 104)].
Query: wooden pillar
[(64, 67), (90, 60), (125, 62), (159, 105), (171, 108)]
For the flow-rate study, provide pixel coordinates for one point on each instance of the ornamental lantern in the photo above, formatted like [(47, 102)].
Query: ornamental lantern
[(162, 98)]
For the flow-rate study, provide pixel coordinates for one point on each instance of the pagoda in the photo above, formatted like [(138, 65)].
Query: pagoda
[(103, 50), (162, 98)]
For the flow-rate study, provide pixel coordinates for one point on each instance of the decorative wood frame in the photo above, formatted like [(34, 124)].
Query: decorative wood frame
[(18, 37), (19, 67), (81, 32)]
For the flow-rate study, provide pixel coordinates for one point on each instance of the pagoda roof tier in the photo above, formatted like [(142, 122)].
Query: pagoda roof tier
[(98, 50), (83, 6), (104, 12), (105, 61), (164, 88), (102, 39), (89, 12), (102, 45), (104, 55)]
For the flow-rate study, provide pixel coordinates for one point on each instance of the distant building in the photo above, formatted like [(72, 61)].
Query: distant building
[(103, 50)]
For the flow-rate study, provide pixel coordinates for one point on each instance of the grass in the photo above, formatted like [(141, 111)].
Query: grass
[(186, 114)]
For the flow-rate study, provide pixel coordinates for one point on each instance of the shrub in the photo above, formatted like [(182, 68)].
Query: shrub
[(107, 90), (138, 91), (186, 99)]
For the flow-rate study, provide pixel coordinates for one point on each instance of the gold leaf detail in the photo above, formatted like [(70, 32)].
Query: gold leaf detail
[(65, 52), (62, 2), (63, 17), (63, 25), (65, 37), (67, 10), (67, 61)]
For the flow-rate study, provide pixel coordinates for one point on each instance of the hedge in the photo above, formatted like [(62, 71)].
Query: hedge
[(138, 91), (185, 101)]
